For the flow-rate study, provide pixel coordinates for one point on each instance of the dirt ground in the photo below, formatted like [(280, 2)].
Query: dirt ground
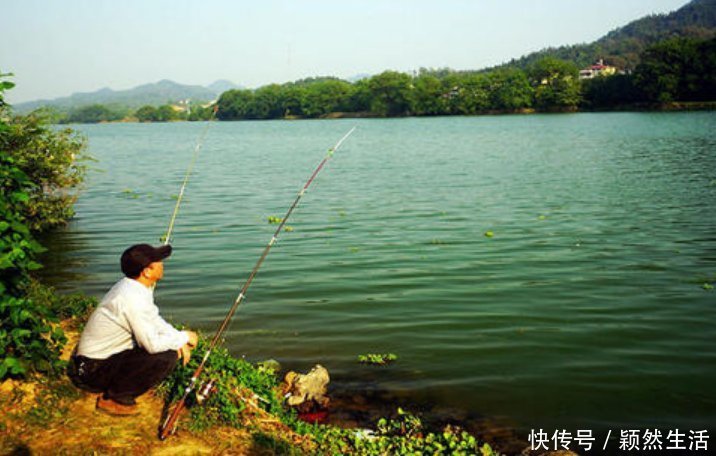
[(33, 421), (42, 417)]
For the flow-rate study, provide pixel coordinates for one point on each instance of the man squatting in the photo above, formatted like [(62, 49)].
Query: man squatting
[(126, 347)]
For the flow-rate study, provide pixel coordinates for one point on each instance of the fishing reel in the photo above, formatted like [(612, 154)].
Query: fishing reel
[(206, 389)]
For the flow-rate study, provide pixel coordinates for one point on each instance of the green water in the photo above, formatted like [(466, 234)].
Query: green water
[(585, 309)]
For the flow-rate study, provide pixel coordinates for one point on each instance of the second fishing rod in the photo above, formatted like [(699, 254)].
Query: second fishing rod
[(169, 425)]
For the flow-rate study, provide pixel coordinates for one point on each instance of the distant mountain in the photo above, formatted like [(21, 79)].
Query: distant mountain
[(158, 93), (621, 47), (222, 85)]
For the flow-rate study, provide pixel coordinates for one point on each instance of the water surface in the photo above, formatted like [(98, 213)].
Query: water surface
[(584, 310)]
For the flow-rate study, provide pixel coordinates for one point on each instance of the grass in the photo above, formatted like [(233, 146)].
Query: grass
[(245, 415)]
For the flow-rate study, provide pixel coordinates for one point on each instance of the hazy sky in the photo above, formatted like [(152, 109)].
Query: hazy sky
[(55, 47)]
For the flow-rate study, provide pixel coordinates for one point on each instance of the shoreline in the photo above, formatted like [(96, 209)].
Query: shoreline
[(676, 106), (41, 414)]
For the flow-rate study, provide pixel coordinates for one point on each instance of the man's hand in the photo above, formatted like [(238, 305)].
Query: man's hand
[(193, 338), (184, 353)]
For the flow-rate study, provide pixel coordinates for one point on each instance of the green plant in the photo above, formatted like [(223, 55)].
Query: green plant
[(35, 162), (236, 382), (52, 401), (273, 220), (403, 435), (53, 161), (77, 305), (240, 385), (379, 359), (29, 337)]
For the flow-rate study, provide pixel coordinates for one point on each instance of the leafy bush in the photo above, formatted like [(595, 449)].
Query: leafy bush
[(29, 338), (235, 381), (77, 306), (53, 163), (238, 382), (403, 435), (37, 165)]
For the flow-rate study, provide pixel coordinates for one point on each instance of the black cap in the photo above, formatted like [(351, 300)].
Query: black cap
[(139, 256)]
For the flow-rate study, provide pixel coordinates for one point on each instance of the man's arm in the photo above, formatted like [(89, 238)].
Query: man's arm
[(151, 331)]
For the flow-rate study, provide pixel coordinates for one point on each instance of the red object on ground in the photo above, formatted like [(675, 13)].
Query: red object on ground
[(318, 417)]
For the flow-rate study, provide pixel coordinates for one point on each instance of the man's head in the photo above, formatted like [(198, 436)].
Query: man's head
[(144, 262)]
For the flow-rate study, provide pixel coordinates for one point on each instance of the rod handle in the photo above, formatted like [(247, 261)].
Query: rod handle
[(169, 425)]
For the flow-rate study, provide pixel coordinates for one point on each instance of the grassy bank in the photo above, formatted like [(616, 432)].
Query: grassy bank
[(46, 414)]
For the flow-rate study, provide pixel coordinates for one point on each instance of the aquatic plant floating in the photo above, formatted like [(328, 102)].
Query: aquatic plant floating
[(129, 193), (377, 359), (288, 229), (489, 234), (273, 220), (707, 286)]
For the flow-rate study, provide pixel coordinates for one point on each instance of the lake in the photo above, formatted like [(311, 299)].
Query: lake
[(585, 309)]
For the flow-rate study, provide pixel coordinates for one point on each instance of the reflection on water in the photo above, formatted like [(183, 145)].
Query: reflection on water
[(64, 263)]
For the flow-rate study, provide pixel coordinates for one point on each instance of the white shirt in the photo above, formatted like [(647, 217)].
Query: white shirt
[(127, 317)]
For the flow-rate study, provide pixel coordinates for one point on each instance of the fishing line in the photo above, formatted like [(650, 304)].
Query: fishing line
[(169, 425), (167, 237)]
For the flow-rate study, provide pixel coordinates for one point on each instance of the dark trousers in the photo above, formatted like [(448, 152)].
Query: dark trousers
[(123, 376)]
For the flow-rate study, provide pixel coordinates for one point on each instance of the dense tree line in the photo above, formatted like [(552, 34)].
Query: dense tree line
[(678, 69), (392, 94), (167, 113), (97, 113)]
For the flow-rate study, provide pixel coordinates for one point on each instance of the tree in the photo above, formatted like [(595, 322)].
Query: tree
[(327, 96), (390, 93), (146, 114), (428, 97), (361, 98), (556, 83), (292, 97), (466, 93), (266, 103), (510, 90), (166, 113), (52, 160), (93, 114), (610, 91), (678, 69), (661, 69), (235, 104), (198, 112)]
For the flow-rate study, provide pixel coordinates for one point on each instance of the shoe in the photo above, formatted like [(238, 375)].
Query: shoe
[(115, 408)]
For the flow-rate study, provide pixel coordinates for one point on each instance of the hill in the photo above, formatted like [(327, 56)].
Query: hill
[(621, 47), (158, 93)]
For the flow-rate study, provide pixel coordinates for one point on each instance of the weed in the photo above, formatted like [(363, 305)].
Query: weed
[(377, 359)]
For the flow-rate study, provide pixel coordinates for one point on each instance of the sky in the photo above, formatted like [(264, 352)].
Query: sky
[(55, 48)]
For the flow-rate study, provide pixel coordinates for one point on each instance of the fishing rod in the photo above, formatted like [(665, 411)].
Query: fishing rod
[(167, 237), (169, 425)]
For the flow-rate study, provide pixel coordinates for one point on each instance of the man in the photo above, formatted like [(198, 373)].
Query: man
[(126, 347)]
